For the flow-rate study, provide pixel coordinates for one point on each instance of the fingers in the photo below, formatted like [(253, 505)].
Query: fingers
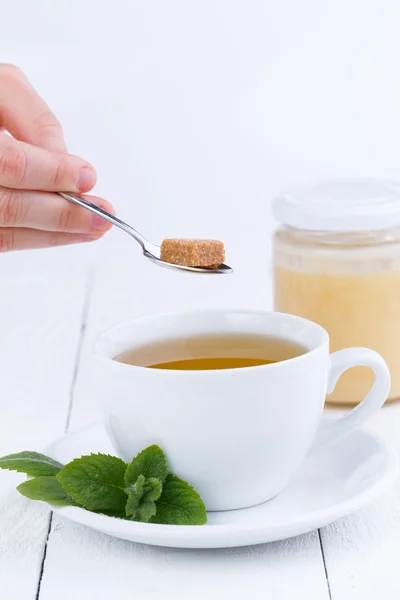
[(25, 114), (27, 167), (50, 212), (34, 157), (15, 238)]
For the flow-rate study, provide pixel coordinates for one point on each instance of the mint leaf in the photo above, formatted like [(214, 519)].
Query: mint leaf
[(96, 482), (31, 463), (146, 489), (151, 462), (47, 489), (138, 487), (139, 511), (179, 504), (145, 511), (151, 490), (132, 505), (141, 495)]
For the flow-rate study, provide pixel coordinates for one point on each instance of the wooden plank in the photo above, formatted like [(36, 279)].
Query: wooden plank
[(95, 565), (40, 321), (362, 550)]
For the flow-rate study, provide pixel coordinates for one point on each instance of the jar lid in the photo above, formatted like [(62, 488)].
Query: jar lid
[(344, 205)]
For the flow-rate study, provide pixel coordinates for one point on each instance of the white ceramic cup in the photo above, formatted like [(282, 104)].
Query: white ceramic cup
[(237, 435)]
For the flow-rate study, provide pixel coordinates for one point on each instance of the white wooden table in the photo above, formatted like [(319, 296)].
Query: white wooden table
[(49, 318)]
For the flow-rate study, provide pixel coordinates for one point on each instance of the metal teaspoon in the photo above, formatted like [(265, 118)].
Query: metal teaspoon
[(150, 251)]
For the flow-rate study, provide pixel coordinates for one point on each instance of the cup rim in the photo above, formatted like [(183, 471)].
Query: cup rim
[(142, 320)]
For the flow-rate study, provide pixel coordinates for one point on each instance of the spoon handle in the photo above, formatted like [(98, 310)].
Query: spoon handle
[(76, 199)]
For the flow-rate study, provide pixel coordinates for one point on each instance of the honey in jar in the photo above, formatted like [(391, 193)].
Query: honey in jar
[(337, 262)]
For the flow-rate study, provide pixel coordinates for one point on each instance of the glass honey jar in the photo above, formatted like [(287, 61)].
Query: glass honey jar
[(337, 262)]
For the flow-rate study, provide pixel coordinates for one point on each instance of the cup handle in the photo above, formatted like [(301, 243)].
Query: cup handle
[(340, 362)]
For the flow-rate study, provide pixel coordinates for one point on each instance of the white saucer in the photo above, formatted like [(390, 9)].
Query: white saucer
[(334, 483)]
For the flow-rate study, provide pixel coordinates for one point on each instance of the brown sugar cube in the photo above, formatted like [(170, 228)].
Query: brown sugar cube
[(208, 254)]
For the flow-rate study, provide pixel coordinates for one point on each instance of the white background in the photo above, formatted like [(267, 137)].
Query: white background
[(195, 113)]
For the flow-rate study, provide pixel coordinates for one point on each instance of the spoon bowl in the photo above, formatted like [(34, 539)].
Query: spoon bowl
[(150, 251)]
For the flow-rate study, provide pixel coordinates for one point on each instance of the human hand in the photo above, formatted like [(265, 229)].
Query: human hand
[(34, 163)]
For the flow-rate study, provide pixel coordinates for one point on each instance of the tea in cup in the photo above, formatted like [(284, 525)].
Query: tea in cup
[(234, 398)]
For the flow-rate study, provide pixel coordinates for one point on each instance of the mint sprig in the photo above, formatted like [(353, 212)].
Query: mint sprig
[(142, 490)]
